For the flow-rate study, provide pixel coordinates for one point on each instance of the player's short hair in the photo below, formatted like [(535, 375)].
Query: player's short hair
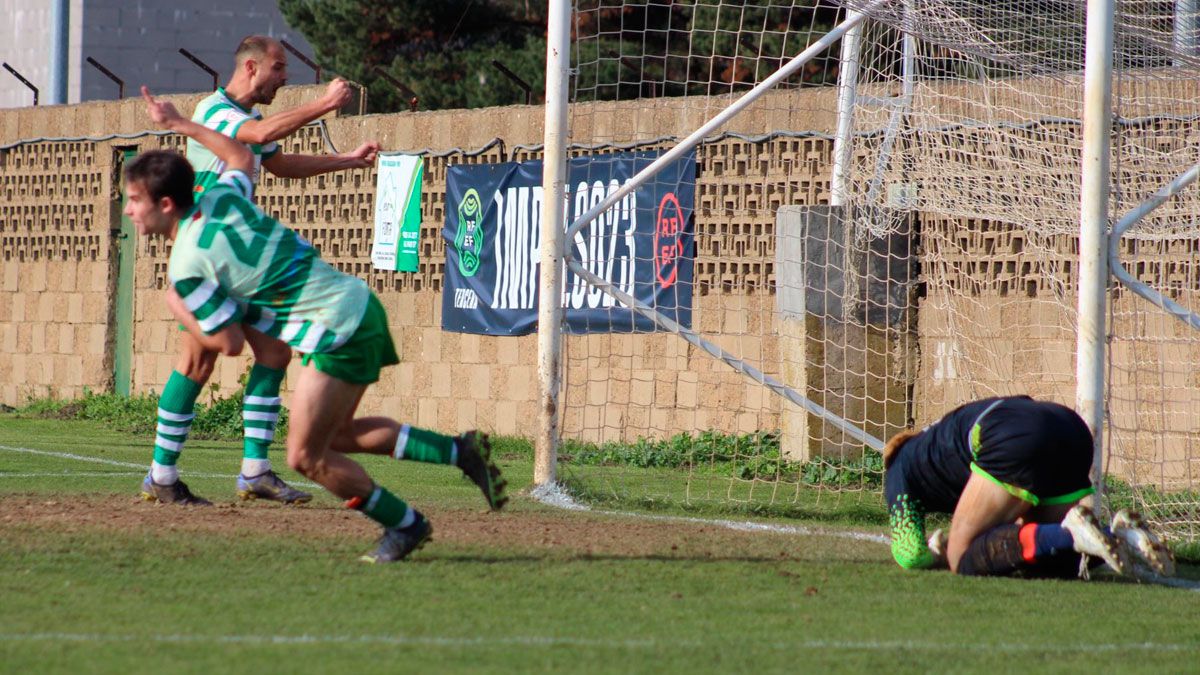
[(164, 173), (252, 46), (893, 445)]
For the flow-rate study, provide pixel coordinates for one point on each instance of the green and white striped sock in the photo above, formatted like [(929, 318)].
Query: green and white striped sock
[(422, 445), (260, 414), (175, 413), (387, 509)]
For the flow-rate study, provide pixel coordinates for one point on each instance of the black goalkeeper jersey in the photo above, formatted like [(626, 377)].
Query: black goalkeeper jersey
[(1039, 450), (936, 463)]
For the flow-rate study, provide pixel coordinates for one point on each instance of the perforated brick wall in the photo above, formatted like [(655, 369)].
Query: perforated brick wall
[(56, 256), (58, 206)]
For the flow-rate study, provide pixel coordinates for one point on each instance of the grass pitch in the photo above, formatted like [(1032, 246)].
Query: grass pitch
[(94, 580)]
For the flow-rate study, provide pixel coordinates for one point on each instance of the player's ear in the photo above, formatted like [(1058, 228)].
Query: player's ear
[(889, 450), (166, 204)]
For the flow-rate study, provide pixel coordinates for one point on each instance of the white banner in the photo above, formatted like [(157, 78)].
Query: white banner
[(397, 213)]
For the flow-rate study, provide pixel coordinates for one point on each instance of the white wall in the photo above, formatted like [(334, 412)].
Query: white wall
[(139, 41), (25, 42)]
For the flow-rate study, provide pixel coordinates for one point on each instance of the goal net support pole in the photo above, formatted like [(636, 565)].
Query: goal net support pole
[(1093, 226)]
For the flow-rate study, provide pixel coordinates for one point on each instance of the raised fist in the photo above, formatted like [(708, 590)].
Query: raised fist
[(338, 93)]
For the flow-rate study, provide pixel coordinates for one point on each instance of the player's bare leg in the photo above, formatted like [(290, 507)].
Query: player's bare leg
[(321, 404), (982, 507), (471, 452), (322, 407)]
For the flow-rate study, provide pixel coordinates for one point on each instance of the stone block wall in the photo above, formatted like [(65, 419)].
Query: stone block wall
[(991, 312), (447, 380), (57, 255)]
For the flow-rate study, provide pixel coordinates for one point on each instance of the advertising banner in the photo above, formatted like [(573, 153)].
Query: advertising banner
[(643, 245), (397, 213)]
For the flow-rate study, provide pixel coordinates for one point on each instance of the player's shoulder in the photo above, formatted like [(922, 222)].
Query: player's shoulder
[(217, 107), (233, 183), (213, 101)]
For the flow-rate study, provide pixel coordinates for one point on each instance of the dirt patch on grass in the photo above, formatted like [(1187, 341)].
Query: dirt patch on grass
[(456, 532)]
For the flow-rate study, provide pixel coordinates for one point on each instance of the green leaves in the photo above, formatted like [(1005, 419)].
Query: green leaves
[(745, 456), (218, 419), (441, 50)]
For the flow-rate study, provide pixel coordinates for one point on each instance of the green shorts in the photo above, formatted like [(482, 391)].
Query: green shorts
[(368, 351)]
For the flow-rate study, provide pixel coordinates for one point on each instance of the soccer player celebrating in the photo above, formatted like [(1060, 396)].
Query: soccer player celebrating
[(260, 71), (232, 265), (1012, 472)]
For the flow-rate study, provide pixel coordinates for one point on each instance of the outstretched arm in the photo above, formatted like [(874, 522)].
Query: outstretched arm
[(283, 123), (907, 518), (305, 166), (235, 155)]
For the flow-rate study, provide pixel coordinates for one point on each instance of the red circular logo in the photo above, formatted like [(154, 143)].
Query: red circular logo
[(668, 240)]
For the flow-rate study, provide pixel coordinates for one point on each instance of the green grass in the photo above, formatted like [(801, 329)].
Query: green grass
[(530, 590)]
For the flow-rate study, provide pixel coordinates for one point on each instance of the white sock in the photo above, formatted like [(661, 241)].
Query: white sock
[(255, 467), (162, 474), (410, 517)]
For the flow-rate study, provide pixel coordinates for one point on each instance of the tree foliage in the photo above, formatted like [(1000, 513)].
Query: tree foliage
[(442, 50), (694, 47)]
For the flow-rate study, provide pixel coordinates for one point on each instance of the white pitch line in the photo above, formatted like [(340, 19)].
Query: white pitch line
[(143, 468), (72, 474), (754, 526), (552, 494), (78, 458), (568, 641), (67, 473)]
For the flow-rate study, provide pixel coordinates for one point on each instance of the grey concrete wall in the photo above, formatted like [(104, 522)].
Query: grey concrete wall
[(139, 41), (25, 42)]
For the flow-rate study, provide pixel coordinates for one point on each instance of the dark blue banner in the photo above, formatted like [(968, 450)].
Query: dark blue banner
[(643, 245)]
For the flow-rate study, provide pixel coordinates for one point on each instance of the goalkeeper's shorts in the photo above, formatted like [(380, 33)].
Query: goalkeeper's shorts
[(1036, 450)]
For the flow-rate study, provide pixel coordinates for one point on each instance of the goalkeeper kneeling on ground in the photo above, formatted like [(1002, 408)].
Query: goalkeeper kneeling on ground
[(1011, 471)]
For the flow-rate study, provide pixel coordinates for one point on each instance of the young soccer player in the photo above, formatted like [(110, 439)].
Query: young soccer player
[(1012, 472), (260, 70), (230, 265)]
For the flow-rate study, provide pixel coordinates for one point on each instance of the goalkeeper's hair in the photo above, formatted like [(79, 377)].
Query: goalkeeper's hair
[(164, 173), (893, 446)]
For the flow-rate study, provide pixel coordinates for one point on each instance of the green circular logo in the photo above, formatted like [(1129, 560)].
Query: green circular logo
[(469, 240)]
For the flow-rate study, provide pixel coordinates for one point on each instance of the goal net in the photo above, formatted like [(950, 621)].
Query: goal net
[(889, 232)]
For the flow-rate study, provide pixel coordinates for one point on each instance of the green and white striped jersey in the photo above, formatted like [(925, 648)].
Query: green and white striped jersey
[(232, 263), (223, 114)]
